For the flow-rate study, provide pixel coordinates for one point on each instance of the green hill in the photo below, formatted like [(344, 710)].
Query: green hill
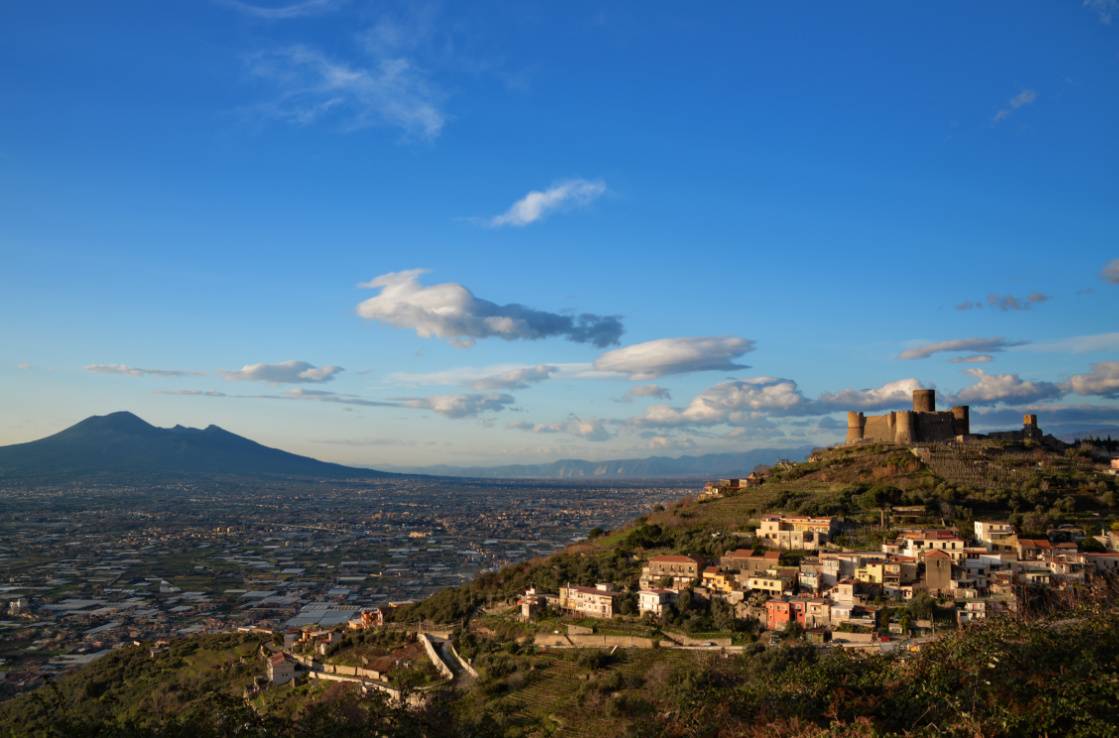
[(1053, 670)]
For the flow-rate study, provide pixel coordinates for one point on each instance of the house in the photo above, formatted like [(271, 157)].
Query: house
[(744, 560), (892, 572), (817, 613), (671, 571), (938, 571), (531, 604), (595, 602), (796, 532), (367, 620), (994, 533), (779, 613), (723, 486), (717, 580), (1032, 549), (655, 601), (281, 670), (913, 542), (1102, 563), (776, 579)]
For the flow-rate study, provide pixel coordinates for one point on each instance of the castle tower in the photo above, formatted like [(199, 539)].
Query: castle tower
[(1029, 420), (961, 420), (924, 401), (855, 424), (905, 426)]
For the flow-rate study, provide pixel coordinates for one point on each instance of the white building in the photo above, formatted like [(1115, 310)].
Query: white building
[(654, 600)]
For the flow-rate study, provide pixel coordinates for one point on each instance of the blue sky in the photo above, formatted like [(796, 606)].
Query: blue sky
[(200, 189)]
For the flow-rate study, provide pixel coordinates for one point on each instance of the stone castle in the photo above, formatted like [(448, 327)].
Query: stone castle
[(923, 424)]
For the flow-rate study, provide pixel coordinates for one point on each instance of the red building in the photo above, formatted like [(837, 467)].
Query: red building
[(779, 613)]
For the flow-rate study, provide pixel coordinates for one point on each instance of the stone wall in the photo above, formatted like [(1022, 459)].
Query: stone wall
[(556, 640)]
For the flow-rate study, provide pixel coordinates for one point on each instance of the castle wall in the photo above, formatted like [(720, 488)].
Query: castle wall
[(879, 428), (933, 427)]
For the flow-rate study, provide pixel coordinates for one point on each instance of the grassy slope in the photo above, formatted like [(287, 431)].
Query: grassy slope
[(581, 693)]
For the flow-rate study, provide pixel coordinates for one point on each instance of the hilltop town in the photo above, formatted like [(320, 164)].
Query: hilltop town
[(872, 562)]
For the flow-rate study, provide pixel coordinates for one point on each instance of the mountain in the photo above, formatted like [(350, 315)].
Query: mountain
[(707, 466), (122, 446)]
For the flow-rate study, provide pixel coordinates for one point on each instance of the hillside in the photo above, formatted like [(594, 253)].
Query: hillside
[(652, 467), (990, 679), (121, 446)]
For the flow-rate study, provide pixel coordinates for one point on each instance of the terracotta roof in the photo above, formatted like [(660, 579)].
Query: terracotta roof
[(591, 590), (673, 559), (936, 555)]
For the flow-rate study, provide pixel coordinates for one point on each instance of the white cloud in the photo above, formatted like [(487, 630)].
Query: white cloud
[(286, 372), (926, 350), (1022, 99), (733, 402), (973, 359), (1102, 380), (891, 394), (1110, 272), (460, 406), (450, 311), (391, 91), (652, 359), (283, 12), (665, 443), (520, 378), (750, 401), (592, 429), (539, 203), (994, 388), (133, 371)]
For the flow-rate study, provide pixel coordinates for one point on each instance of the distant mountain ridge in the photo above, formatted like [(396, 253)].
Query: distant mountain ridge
[(121, 445), (706, 466)]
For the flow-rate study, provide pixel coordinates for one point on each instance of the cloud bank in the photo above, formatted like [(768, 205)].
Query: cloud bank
[(512, 379), (286, 372), (460, 406), (1103, 380), (990, 389), (593, 429), (652, 359), (926, 350), (450, 311), (648, 390)]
